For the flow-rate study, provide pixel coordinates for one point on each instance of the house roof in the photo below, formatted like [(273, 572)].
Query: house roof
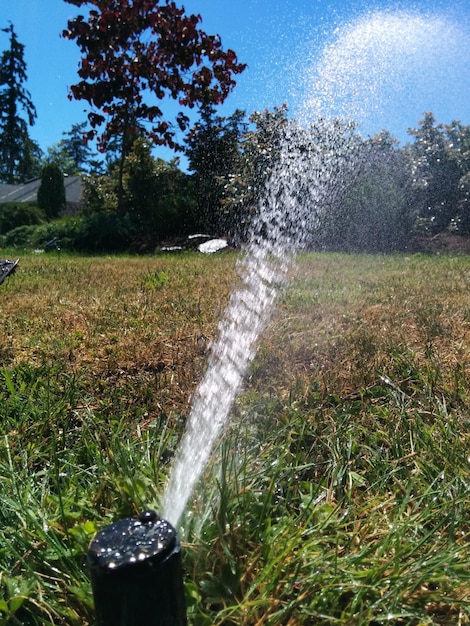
[(28, 192)]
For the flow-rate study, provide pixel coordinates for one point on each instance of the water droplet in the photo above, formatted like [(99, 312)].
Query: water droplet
[(148, 516)]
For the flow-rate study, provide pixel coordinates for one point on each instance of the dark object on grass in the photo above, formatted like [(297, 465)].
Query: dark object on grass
[(136, 573), (52, 244), (6, 268)]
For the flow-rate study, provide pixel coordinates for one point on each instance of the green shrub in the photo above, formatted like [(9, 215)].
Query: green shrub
[(99, 232), (14, 214), (37, 236), (67, 230), (20, 237)]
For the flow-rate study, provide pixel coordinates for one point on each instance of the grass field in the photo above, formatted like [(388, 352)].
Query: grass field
[(339, 494)]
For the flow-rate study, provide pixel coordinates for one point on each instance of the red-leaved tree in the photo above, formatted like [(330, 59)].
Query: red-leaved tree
[(135, 53)]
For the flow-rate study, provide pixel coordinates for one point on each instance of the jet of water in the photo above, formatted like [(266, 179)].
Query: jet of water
[(307, 170)]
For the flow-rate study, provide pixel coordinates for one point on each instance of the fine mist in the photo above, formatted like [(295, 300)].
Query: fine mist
[(387, 66)]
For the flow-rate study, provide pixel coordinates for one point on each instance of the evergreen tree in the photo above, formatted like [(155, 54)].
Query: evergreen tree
[(75, 145), (51, 192), (73, 154), (14, 99), (30, 164), (59, 155), (213, 150)]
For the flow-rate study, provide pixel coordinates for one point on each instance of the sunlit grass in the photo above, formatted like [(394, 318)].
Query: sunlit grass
[(117, 323), (340, 493)]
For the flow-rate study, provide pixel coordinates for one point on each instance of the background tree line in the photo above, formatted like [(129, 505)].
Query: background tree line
[(134, 200), (387, 195)]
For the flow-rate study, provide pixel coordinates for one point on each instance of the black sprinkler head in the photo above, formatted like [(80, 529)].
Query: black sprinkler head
[(136, 573)]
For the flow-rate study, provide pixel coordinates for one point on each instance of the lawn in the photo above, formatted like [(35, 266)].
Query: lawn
[(339, 493)]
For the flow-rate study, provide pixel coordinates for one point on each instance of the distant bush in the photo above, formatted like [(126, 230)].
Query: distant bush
[(20, 237), (63, 230), (98, 232), (37, 236), (104, 232), (14, 214)]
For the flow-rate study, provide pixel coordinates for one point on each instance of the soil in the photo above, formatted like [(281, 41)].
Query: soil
[(447, 243)]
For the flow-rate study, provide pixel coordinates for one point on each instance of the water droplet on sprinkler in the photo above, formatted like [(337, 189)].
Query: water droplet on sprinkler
[(148, 516)]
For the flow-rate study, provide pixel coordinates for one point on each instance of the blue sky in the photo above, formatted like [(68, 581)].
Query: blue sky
[(282, 41)]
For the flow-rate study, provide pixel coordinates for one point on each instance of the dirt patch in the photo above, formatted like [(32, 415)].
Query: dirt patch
[(442, 243)]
